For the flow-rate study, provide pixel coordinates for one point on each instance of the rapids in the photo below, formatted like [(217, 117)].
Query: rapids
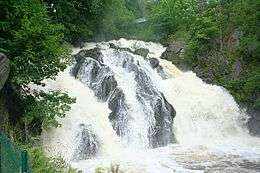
[(142, 119)]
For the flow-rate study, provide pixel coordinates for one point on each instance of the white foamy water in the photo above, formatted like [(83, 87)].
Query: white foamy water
[(209, 126)]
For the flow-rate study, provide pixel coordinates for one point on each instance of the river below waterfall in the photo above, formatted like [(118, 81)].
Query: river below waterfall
[(141, 114)]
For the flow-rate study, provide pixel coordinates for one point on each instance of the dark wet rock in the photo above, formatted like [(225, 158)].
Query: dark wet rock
[(4, 73), (113, 46), (175, 54), (79, 62), (81, 57), (164, 114), (162, 133), (93, 53), (100, 78), (154, 62), (162, 73), (142, 52), (4, 69), (87, 143), (79, 43), (105, 84), (4, 115), (254, 122), (118, 116), (94, 73)]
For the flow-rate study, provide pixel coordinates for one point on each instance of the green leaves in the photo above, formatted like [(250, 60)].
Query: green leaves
[(41, 163), (47, 107), (218, 34), (171, 15), (35, 46)]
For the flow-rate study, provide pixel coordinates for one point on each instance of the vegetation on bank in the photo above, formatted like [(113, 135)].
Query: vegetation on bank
[(221, 38), (222, 42)]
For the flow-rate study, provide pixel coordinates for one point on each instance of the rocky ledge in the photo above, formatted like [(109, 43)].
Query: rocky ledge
[(4, 69)]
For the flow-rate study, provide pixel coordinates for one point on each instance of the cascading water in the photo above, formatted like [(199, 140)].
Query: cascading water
[(146, 115)]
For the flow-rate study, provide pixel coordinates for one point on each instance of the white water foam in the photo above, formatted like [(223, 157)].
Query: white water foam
[(208, 123)]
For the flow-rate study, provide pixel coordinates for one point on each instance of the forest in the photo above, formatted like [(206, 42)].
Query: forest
[(221, 40)]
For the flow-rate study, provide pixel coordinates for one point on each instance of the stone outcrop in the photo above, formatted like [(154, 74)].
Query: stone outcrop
[(142, 52), (92, 71), (175, 53), (87, 145), (4, 72), (154, 62), (4, 69), (254, 122)]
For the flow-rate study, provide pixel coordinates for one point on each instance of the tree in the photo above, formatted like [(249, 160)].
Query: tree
[(34, 45)]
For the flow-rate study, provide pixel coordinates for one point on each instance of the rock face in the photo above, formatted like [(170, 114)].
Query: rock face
[(164, 123), (113, 46), (142, 52), (94, 73), (154, 62), (4, 72), (97, 73), (254, 122), (174, 53), (118, 116), (4, 69), (3, 111), (87, 144)]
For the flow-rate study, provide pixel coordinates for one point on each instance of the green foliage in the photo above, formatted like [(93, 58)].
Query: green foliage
[(34, 45), (79, 17), (138, 7), (46, 107), (115, 23), (84, 20), (170, 15), (218, 34), (41, 163)]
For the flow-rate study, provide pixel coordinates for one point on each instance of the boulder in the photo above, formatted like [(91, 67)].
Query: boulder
[(175, 53), (142, 52), (119, 115), (154, 62), (113, 46), (93, 53), (81, 57), (3, 111), (254, 121), (4, 72), (90, 70), (87, 143), (4, 69)]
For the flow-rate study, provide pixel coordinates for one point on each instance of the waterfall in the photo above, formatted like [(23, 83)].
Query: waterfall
[(133, 108)]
